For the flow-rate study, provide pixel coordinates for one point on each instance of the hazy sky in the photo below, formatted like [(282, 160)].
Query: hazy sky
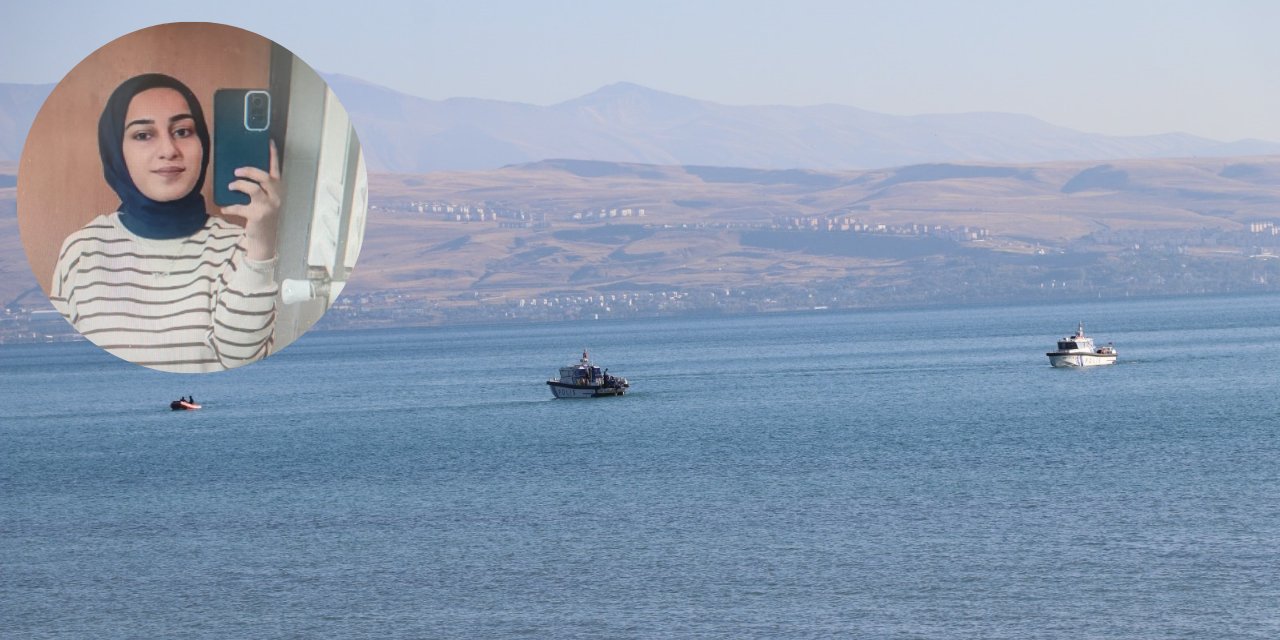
[(1211, 68)]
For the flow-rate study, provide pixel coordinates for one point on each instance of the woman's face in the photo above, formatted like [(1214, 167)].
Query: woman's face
[(161, 148)]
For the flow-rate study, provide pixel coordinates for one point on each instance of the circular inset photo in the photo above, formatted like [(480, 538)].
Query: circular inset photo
[(192, 197)]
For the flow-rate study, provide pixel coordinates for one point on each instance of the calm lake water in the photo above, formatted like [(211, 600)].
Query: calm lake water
[(913, 474)]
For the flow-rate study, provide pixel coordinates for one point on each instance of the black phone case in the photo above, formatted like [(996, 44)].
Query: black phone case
[(236, 143)]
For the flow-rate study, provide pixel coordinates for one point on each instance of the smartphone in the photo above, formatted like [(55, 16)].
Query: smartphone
[(241, 138)]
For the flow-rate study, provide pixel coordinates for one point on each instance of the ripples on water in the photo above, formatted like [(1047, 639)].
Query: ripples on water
[(917, 474)]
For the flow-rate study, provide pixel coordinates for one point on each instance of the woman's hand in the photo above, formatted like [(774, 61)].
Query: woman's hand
[(262, 213)]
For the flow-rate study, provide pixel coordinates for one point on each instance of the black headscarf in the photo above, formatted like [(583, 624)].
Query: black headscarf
[(140, 214)]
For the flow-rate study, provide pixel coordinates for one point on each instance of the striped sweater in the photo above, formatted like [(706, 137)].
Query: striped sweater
[(185, 305)]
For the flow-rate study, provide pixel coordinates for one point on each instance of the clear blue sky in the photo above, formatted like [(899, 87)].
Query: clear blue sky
[(1120, 67)]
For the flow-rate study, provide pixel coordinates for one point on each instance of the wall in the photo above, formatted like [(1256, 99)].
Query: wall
[(60, 183)]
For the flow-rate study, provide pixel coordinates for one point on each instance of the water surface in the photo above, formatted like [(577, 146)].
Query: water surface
[(911, 474)]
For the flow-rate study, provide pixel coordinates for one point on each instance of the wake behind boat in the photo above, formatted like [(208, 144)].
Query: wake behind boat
[(586, 380), (1078, 351)]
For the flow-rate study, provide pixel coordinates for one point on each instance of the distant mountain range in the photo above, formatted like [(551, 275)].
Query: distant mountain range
[(625, 122), (791, 237), (1052, 203), (1122, 227)]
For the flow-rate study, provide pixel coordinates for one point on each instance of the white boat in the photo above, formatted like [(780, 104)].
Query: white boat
[(586, 380), (1078, 351)]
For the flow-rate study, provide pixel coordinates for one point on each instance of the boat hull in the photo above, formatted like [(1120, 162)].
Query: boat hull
[(1078, 360), (562, 390)]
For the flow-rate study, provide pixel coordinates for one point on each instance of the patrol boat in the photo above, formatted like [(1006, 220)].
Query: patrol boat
[(586, 380), (1078, 351)]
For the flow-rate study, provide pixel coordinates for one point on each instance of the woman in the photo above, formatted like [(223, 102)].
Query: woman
[(160, 282)]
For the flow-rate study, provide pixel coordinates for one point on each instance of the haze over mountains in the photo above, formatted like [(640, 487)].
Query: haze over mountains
[(625, 122), (19, 104)]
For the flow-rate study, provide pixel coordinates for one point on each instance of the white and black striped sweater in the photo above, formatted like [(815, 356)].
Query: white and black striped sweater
[(186, 305)]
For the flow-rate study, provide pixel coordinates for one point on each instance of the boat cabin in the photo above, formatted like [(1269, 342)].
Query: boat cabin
[(1075, 343), (581, 374)]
